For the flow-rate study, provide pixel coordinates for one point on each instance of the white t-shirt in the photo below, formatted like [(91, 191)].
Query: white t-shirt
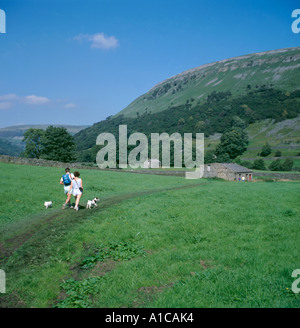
[(76, 185)]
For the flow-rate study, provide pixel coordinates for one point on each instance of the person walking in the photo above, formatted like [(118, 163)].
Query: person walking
[(66, 181), (77, 189)]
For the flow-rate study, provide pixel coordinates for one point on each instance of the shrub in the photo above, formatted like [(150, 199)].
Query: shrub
[(223, 158), (209, 157), (114, 250), (287, 165), (276, 165), (78, 292), (246, 164), (266, 150), (259, 164)]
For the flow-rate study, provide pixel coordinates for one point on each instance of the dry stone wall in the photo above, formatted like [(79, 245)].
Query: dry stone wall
[(216, 169)]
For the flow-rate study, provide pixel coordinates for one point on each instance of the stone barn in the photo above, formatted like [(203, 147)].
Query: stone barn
[(227, 171)]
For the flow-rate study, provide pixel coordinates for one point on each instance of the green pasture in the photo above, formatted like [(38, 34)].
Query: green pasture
[(153, 241)]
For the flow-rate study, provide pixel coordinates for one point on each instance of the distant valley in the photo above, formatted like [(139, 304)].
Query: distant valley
[(11, 137)]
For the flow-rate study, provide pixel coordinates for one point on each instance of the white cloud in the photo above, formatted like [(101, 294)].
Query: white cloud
[(11, 100), (99, 40), (69, 105), (36, 100), (10, 96), (5, 105)]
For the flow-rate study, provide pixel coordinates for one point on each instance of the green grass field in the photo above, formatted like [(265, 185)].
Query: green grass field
[(153, 241)]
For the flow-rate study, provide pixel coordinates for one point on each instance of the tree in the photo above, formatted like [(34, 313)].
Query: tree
[(246, 164), (266, 150), (200, 126), (223, 158), (34, 139), (234, 142), (276, 165), (181, 121), (259, 164), (209, 157), (59, 145), (238, 122), (287, 165)]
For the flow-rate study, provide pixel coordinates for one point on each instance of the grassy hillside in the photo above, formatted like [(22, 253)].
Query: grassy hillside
[(278, 68), (282, 136), (220, 111), (210, 98), (10, 147), (18, 130), (234, 244)]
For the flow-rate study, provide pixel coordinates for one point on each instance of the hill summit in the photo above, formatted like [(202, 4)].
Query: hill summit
[(279, 69), (210, 99)]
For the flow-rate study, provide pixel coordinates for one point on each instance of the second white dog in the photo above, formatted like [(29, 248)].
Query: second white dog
[(92, 203), (48, 204)]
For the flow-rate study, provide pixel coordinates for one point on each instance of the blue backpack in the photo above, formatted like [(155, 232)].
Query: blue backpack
[(66, 179)]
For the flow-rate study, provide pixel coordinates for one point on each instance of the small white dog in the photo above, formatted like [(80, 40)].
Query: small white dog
[(48, 204), (92, 203)]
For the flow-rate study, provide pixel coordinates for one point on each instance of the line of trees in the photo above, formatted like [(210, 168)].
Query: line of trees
[(54, 143), (276, 165)]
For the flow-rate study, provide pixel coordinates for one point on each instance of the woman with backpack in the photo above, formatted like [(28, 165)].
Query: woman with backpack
[(77, 188), (66, 181)]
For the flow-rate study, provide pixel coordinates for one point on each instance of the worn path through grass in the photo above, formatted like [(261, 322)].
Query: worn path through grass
[(12, 241)]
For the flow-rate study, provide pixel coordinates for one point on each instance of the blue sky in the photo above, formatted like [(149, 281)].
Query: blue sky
[(77, 62)]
